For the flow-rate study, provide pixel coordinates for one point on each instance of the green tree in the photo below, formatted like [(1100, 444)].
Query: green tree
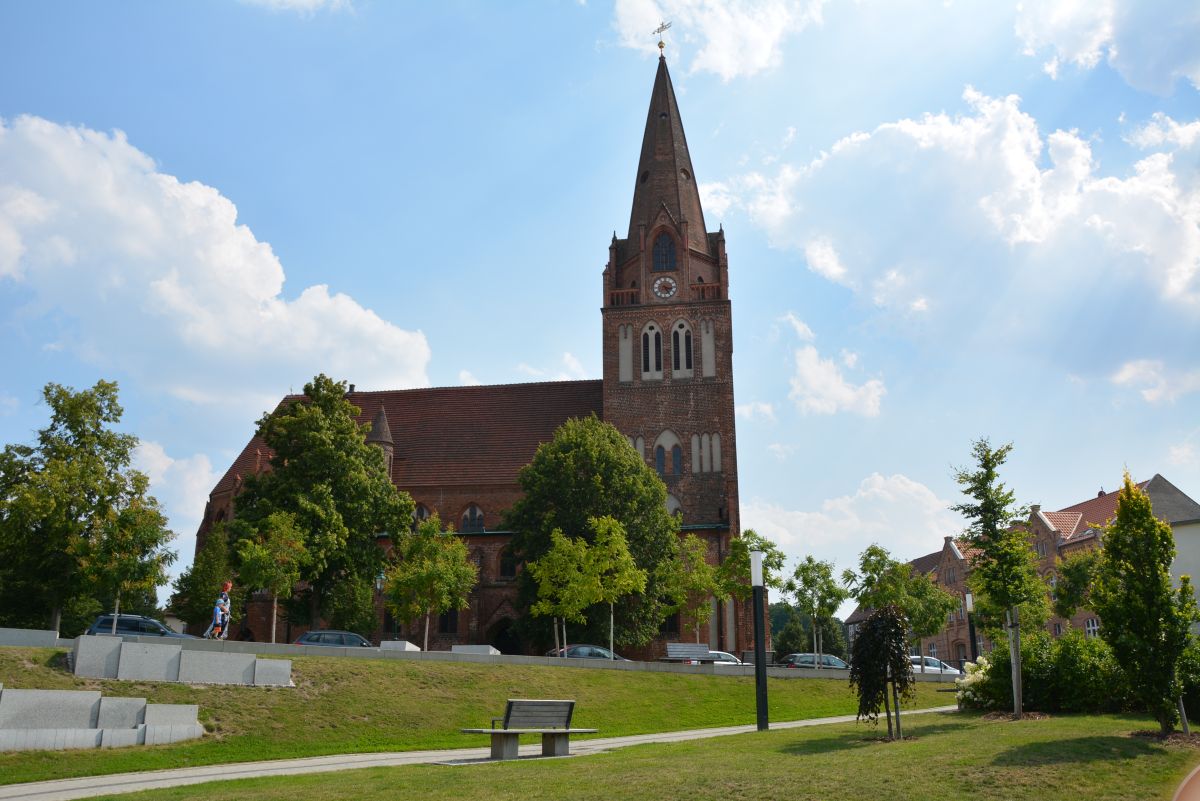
[(563, 587), (430, 573), (334, 485), (882, 581), (197, 587), (693, 581), (71, 500), (818, 595), (1004, 568), (126, 555), (1074, 582), (611, 567), (271, 558), (1143, 618), (588, 470), (880, 658), (733, 574)]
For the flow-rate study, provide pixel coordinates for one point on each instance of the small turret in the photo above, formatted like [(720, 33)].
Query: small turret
[(381, 436)]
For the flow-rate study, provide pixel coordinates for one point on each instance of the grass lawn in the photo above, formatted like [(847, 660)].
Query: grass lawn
[(361, 705), (949, 756)]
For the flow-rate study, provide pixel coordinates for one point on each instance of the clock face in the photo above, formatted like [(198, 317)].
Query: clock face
[(665, 286)]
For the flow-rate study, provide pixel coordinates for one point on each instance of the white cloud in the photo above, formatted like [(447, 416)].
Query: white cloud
[(1158, 384), (570, 369), (823, 260), (755, 410), (1183, 455), (181, 486), (780, 451), (156, 278), (1162, 131), (731, 39), (1151, 43), (8, 404), (798, 326), (467, 379), (1030, 213), (901, 514), (849, 358), (715, 197), (818, 387)]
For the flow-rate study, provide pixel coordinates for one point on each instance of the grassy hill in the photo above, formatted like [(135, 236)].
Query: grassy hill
[(361, 705)]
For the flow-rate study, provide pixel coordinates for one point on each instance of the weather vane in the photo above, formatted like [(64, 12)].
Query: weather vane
[(659, 32)]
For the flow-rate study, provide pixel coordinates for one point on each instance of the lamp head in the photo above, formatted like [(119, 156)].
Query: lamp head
[(756, 568)]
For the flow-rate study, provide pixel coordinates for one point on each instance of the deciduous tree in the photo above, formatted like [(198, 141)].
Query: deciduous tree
[(271, 558), (1143, 618), (880, 658), (818, 595), (693, 582), (430, 572)]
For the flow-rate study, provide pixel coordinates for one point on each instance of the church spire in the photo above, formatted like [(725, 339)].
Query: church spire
[(665, 176)]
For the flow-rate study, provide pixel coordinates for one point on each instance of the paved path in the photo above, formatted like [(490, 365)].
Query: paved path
[(89, 786)]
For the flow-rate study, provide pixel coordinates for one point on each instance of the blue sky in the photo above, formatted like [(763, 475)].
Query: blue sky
[(944, 220)]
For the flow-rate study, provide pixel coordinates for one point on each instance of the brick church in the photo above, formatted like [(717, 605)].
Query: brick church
[(667, 386)]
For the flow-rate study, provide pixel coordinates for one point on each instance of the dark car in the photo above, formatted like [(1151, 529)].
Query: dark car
[(133, 624), (333, 637), (810, 661), (586, 652)]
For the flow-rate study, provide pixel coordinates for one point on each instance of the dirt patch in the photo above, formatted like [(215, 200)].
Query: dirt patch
[(1174, 738), (1011, 716)]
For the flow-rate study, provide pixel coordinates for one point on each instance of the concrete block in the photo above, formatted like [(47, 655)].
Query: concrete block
[(486, 650), (120, 738), (49, 709), (202, 667), (28, 638), (121, 713), (97, 656), (171, 714), (273, 672), (162, 735), (149, 662), (398, 645)]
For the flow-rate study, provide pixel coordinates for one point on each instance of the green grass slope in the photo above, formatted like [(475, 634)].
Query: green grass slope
[(952, 756), (364, 705)]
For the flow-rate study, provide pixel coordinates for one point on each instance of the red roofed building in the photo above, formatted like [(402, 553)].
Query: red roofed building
[(666, 335), (1056, 535)]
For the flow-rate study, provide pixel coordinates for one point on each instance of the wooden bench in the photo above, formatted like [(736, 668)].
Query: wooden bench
[(551, 719), (688, 653)]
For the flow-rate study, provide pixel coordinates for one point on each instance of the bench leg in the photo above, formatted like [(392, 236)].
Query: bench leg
[(555, 744), (504, 746)]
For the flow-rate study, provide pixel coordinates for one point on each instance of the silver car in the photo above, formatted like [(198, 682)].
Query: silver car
[(933, 665)]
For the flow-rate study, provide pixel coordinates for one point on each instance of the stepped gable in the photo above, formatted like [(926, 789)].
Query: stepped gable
[(456, 436)]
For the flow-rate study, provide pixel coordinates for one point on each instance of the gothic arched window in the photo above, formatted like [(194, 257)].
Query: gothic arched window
[(472, 519), (664, 253), (651, 352), (660, 460), (681, 350), (420, 513), (677, 460)]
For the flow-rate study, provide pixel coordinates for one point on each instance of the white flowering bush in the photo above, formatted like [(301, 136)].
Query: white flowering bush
[(971, 685)]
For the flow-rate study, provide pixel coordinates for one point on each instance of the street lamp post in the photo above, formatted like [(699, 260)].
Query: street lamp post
[(970, 599), (760, 637)]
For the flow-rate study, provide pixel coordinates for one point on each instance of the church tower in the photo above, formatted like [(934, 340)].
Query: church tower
[(668, 344)]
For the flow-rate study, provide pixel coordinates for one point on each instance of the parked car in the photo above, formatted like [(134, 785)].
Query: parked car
[(810, 661), (724, 658), (333, 637), (134, 624), (586, 652), (933, 665)]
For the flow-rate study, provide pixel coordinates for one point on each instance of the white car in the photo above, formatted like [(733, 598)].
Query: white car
[(933, 665), (721, 658)]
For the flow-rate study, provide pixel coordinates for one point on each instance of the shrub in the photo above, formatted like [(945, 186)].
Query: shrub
[(973, 687), (1087, 676)]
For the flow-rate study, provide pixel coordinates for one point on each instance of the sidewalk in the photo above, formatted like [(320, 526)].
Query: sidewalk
[(89, 786)]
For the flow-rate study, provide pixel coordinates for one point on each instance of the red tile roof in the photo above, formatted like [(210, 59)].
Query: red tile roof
[(456, 436), (1064, 522)]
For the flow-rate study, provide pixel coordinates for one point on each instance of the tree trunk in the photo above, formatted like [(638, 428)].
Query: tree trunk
[(564, 628), (116, 612), (896, 699), (610, 631), (816, 658), (56, 617), (554, 626), (274, 614), (1187, 730), (1014, 639), (887, 709), (425, 645)]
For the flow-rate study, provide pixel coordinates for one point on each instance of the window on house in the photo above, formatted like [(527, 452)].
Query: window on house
[(508, 564), (670, 626), (1091, 627), (677, 460), (448, 622), (660, 460), (664, 253), (1058, 629), (472, 519), (933, 649), (681, 350)]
